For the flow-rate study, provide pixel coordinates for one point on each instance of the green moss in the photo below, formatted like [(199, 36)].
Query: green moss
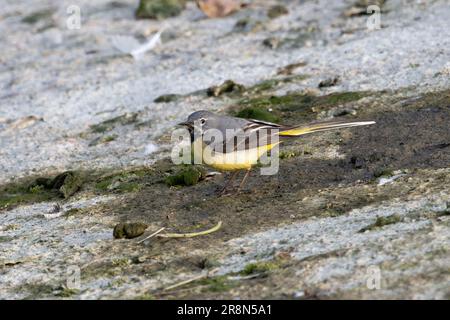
[(299, 107), (123, 181), (12, 200), (260, 267), (37, 290), (382, 221), (66, 292), (159, 9), (217, 284), (6, 239), (72, 212), (121, 262), (228, 86), (41, 189), (38, 16), (9, 227), (108, 125), (36, 189), (167, 98), (383, 172), (289, 154), (257, 113), (343, 97), (270, 84), (105, 139), (186, 176), (129, 187), (109, 138), (276, 10)]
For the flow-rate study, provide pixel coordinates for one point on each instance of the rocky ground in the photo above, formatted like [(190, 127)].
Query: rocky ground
[(85, 143)]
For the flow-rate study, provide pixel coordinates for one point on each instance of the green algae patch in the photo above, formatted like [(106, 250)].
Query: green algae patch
[(260, 267), (12, 197), (102, 140), (72, 212), (41, 189), (65, 184), (271, 84), (229, 86), (304, 107), (129, 230), (66, 292), (110, 124), (343, 97), (186, 176), (257, 114), (165, 98), (38, 16), (159, 9), (383, 172), (124, 181), (276, 11), (217, 284), (382, 221), (289, 154)]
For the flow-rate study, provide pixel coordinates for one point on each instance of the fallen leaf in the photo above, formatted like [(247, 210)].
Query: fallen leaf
[(218, 8)]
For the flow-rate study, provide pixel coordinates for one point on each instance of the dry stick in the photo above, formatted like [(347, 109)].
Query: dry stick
[(152, 235), (182, 283), (191, 235)]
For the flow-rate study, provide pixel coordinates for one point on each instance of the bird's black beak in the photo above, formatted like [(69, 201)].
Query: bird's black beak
[(185, 124), (188, 125)]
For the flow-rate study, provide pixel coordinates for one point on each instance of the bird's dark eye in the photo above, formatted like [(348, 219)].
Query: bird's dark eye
[(202, 121)]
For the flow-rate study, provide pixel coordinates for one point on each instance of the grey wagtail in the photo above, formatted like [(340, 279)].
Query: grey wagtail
[(243, 155)]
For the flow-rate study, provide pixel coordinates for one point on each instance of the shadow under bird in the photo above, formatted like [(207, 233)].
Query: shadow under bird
[(243, 154)]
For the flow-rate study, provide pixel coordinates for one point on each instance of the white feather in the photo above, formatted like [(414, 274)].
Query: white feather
[(130, 45)]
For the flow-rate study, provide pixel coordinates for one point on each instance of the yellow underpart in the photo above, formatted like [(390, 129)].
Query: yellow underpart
[(237, 160), (295, 132)]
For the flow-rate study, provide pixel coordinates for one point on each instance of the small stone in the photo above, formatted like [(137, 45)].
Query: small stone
[(70, 182), (271, 42), (276, 11), (129, 230), (228, 86), (159, 9), (67, 183), (330, 82)]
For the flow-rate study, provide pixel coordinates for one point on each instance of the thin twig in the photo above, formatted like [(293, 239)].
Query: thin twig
[(191, 235), (182, 283), (152, 235)]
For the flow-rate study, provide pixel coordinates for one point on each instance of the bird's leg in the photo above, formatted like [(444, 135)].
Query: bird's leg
[(233, 175), (244, 179)]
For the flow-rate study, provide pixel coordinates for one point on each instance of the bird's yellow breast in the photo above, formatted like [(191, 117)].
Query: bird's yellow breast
[(237, 160)]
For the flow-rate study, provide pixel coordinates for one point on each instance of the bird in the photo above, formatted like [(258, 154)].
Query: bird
[(237, 151)]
